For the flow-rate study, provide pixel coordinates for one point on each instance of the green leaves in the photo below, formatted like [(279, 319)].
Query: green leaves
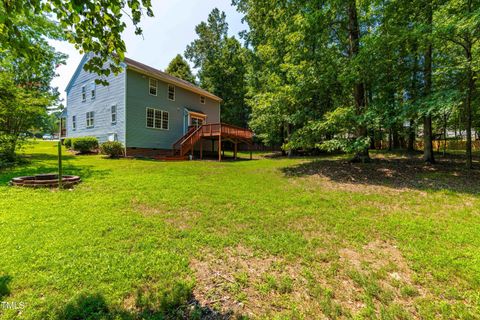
[(180, 68), (223, 66), (92, 26)]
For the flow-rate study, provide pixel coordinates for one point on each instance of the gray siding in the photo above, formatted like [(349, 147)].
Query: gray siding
[(106, 96), (138, 99)]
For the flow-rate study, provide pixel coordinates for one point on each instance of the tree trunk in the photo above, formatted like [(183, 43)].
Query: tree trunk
[(359, 86), (468, 106), (445, 119), (411, 137), (372, 140), (414, 96), (390, 140), (427, 140), (396, 139), (282, 132), (427, 119)]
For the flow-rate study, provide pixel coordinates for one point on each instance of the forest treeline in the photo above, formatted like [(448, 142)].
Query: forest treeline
[(334, 75), (347, 75)]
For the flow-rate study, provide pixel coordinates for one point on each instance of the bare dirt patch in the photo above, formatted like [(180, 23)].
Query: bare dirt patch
[(379, 273), (369, 281), (247, 283)]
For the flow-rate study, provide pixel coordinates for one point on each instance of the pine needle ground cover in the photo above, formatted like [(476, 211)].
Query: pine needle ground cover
[(269, 238)]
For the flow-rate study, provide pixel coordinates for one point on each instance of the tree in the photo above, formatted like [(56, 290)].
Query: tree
[(459, 24), (221, 61), (180, 68), (359, 86), (427, 119), (21, 108), (25, 78)]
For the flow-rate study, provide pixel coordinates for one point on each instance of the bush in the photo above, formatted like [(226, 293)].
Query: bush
[(85, 144), (67, 142), (113, 149)]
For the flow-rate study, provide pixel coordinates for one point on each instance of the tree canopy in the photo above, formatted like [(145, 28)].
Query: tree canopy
[(180, 68), (222, 63), (343, 75)]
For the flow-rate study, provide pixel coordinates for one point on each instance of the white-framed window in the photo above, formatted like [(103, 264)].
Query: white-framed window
[(165, 120), (157, 119), (196, 121), (171, 92), (113, 112), (84, 94), (93, 90), (152, 86), (74, 122), (90, 119), (202, 99)]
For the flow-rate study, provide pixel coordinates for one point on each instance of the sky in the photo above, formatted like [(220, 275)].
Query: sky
[(164, 36)]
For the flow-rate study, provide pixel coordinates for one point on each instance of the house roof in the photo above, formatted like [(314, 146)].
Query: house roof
[(194, 111), (143, 68), (77, 72)]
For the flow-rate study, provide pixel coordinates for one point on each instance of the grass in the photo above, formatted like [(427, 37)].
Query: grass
[(269, 238)]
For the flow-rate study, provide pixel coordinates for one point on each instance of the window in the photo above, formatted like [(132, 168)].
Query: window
[(84, 94), (171, 92), (90, 119), (153, 87), (196, 122), (157, 119), (93, 90), (165, 120), (202, 99), (113, 111), (74, 122), (150, 118)]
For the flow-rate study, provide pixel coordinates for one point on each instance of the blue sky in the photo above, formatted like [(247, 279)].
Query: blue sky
[(164, 36)]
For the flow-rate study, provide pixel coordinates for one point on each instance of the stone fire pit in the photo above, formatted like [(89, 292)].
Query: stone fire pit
[(45, 181)]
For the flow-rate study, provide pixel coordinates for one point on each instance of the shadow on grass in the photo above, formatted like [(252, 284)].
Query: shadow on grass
[(394, 172), (179, 304), (4, 290)]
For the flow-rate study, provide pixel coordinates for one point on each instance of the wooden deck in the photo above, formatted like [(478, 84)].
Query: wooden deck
[(214, 131)]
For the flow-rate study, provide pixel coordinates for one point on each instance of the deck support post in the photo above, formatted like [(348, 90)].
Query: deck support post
[(220, 147), (235, 150), (201, 149)]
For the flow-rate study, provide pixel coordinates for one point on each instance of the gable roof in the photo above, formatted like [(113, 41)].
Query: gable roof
[(155, 73), (147, 70), (77, 72)]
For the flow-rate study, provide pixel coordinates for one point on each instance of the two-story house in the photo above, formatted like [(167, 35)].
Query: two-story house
[(147, 110)]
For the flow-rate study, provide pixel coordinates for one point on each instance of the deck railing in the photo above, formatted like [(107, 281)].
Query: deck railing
[(188, 141)]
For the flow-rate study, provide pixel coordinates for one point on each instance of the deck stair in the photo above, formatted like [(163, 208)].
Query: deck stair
[(213, 131)]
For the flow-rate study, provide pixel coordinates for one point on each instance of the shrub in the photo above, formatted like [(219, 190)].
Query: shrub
[(85, 144), (67, 143), (113, 149)]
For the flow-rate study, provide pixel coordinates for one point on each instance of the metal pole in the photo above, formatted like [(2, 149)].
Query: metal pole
[(60, 169)]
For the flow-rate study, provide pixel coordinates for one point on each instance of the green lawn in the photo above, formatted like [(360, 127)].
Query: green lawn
[(268, 238)]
